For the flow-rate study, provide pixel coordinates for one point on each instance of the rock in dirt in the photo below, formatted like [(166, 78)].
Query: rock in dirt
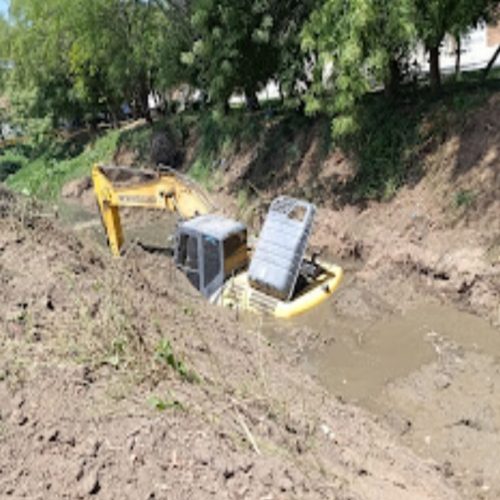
[(89, 484)]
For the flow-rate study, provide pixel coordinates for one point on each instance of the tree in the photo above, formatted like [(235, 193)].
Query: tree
[(232, 50), (116, 62), (37, 52), (490, 64), (175, 39), (356, 45), (82, 60), (436, 18), (4, 52), (291, 70)]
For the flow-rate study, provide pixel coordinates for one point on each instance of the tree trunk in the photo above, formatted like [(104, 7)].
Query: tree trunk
[(393, 79), (458, 57), (252, 100), (143, 98), (113, 113), (281, 94), (490, 65), (435, 74)]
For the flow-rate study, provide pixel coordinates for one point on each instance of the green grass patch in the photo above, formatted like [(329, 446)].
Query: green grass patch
[(164, 355), (10, 163), (174, 130), (162, 404), (464, 198), (42, 174)]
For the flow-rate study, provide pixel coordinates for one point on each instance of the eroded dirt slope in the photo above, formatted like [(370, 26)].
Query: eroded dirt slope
[(94, 404), (440, 233)]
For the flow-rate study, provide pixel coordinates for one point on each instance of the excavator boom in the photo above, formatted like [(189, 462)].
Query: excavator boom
[(167, 190)]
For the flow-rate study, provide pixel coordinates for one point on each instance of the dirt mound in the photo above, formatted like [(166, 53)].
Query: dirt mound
[(116, 380)]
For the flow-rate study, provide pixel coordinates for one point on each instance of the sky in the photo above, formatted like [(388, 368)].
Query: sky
[(4, 6)]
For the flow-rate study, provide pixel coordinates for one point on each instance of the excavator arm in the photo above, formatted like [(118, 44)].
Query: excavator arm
[(167, 190)]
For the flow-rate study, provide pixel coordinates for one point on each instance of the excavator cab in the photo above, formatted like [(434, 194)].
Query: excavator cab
[(209, 249)]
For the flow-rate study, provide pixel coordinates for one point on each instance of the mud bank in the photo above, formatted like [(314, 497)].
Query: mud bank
[(116, 381), (438, 234)]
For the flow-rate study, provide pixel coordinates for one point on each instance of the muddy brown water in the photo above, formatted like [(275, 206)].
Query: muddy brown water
[(431, 374), (154, 230), (356, 359)]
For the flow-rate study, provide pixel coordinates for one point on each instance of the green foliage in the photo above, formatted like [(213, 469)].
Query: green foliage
[(165, 355), (388, 154), (202, 171), (10, 163), (237, 128), (291, 71), (231, 49), (76, 64), (174, 39), (44, 173), (139, 141), (220, 137), (464, 198), (360, 45), (239, 45), (354, 44), (4, 52), (435, 18), (383, 147), (23, 116), (69, 63), (37, 54), (162, 404)]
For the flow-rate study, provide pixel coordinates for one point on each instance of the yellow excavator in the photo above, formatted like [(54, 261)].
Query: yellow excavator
[(273, 278)]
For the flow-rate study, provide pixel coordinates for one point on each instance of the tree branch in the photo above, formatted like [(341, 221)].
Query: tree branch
[(490, 64)]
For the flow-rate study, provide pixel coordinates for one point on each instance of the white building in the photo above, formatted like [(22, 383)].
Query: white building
[(477, 48)]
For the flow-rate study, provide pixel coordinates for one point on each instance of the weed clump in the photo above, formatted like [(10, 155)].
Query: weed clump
[(164, 355)]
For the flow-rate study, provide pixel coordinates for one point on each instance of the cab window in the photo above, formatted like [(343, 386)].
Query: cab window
[(187, 258), (212, 261), (235, 252), (188, 252)]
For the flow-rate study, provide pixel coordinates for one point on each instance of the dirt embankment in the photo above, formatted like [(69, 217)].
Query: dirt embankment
[(439, 234), (116, 382)]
